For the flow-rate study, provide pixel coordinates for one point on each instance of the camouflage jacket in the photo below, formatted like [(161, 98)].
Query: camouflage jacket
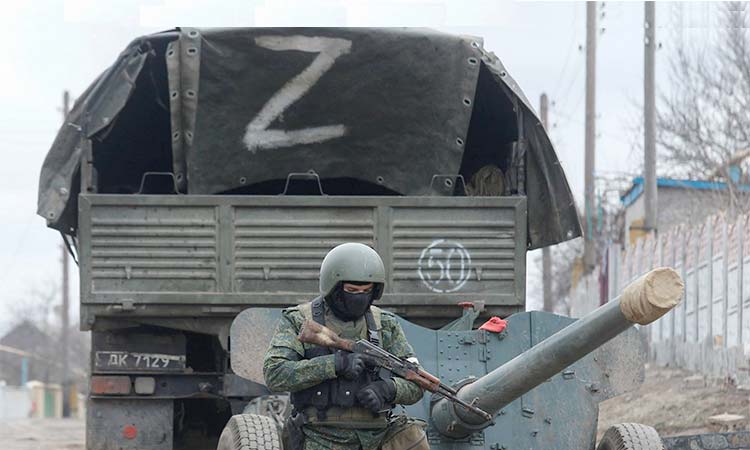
[(286, 370)]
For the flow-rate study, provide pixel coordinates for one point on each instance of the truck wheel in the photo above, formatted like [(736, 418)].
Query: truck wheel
[(630, 436), (249, 432)]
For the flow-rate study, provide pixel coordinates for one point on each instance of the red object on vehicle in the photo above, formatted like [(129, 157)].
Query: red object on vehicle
[(113, 385), (494, 325), (467, 305), (129, 432)]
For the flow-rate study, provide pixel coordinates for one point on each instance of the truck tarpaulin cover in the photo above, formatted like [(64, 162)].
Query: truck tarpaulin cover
[(224, 109)]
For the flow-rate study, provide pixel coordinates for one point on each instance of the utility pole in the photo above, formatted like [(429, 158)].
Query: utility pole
[(589, 255), (649, 117), (65, 301), (546, 254)]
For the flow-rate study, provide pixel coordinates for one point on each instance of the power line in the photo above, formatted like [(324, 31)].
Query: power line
[(571, 46), (564, 100)]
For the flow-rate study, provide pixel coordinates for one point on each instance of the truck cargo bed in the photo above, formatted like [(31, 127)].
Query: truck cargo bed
[(185, 255)]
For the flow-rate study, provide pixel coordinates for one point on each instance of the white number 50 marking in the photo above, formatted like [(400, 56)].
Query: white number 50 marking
[(257, 134)]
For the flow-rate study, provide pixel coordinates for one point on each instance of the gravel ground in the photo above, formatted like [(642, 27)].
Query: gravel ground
[(42, 434)]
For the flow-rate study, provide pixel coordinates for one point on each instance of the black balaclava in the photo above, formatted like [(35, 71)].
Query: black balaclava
[(347, 306)]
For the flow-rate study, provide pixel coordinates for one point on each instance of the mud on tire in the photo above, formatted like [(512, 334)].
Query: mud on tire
[(249, 432), (630, 436)]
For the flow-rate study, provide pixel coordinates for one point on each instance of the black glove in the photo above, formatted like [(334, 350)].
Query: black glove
[(376, 395), (349, 365)]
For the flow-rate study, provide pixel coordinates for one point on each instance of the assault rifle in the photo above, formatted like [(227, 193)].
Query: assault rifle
[(317, 334)]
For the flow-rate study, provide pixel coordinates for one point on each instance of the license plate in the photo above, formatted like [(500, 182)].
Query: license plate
[(119, 360)]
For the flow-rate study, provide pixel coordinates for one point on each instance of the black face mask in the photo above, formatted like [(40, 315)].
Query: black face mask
[(348, 306)]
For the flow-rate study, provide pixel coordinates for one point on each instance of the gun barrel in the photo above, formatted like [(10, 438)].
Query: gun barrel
[(644, 301)]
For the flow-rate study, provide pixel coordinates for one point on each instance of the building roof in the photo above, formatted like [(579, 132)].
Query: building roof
[(24, 335), (635, 191)]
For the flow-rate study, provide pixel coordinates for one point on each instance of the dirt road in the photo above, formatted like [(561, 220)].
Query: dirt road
[(42, 434), (673, 405)]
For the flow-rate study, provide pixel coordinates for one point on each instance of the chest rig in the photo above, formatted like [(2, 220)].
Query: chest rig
[(339, 391)]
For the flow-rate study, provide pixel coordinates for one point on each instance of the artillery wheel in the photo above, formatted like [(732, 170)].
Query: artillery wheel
[(249, 432), (630, 436)]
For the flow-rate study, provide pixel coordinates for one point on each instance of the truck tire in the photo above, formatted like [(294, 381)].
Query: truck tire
[(630, 436), (249, 432)]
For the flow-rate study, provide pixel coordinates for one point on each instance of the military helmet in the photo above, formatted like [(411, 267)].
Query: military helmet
[(352, 262)]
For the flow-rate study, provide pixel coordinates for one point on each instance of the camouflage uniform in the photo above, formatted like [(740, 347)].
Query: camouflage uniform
[(286, 370)]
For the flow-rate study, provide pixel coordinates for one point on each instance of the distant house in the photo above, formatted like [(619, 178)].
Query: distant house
[(27, 342), (678, 201)]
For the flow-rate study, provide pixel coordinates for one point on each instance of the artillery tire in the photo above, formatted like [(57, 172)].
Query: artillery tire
[(249, 432), (630, 436)]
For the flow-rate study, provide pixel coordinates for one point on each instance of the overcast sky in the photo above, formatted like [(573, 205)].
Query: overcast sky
[(56, 45)]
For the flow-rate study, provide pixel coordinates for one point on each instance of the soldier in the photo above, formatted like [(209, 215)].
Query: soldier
[(338, 401)]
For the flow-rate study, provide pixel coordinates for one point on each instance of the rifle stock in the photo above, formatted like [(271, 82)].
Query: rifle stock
[(315, 333)]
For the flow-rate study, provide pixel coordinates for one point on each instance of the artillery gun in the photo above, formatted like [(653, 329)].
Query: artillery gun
[(541, 378)]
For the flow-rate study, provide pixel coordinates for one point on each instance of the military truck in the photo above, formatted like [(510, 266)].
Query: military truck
[(208, 171)]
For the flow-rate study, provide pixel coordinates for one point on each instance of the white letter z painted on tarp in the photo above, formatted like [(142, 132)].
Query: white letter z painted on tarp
[(257, 134)]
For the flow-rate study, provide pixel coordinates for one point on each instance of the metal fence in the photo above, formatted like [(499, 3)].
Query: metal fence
[(709, 331)]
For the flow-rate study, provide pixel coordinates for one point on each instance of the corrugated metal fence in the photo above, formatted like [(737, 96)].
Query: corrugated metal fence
[(709, 331)]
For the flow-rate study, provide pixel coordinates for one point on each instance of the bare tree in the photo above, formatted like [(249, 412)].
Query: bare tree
[(38, 307), (567, 263), (703, 125), (565, 257), (568, 259)]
